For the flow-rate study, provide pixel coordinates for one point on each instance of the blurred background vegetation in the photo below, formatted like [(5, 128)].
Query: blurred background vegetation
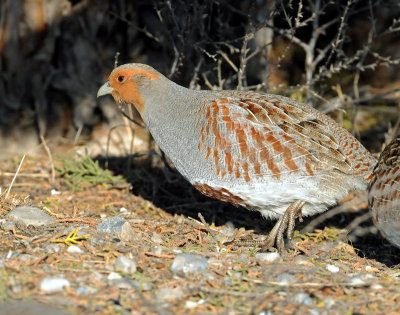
[(336, 55)]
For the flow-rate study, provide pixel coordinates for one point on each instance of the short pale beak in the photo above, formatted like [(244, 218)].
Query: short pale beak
[(105, 89)]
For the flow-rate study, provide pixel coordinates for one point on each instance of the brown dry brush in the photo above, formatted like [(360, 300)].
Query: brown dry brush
[(54, 54)]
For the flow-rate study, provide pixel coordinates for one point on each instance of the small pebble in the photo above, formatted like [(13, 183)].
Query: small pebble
[(157, 250), (285, 278), (111, 225), (96, 276), (363, 277), (221, 249), (228, 282), (30, 216), (125, 264), (118, 226), (10, 254), (208, 275), (357, 281), (332, 268), (156, 238), (193, 304), (54, 192), (142, 286), (329, 302), (82, 290), (216, 263), (97, 241), (301, 298), (189, 263), (300, 260), (73, 249), (376, 286), (267, 257), (113, 276), (52, 248), (123, 210), (168, 294), (226, 234), (123, 283), (129, 284), (8, 225), (53, 284), (27, 257), (16, 289)]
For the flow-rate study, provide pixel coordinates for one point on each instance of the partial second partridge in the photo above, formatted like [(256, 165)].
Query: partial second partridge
[(261, 151), (384, 193)]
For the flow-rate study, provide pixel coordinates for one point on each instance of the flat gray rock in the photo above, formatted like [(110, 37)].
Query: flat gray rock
[(30, 216), (189, 263), (118, 226)]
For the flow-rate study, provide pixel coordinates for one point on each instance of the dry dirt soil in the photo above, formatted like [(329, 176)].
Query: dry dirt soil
[(340, 266)]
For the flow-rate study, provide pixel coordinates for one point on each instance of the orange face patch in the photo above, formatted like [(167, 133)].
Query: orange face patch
[(126, 90)]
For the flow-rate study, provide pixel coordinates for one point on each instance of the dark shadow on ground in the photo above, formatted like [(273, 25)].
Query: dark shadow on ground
[(167, 189)]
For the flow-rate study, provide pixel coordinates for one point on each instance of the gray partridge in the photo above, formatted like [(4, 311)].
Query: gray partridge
[(384, 193), (261, 151)]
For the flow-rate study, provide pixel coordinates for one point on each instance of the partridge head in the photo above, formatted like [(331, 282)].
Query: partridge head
[(261, 151)]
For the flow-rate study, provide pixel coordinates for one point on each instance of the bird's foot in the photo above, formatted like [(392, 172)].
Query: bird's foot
[(287, 222)]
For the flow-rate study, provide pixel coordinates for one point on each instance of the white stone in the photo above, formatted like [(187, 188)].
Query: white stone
[(267, 257), (376, 286), (53, 284), (332, 268), (125, 264), (73, 249), (357, 281), (114, 276), (193, 304), (54, 192)]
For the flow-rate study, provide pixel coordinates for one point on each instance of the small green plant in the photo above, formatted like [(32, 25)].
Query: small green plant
[(327, 234), (84, 171)]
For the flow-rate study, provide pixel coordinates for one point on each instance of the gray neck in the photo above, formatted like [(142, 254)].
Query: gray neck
[(171, 114)]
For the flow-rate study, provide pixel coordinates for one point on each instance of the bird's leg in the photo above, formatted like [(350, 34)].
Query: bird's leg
[(287, 222)]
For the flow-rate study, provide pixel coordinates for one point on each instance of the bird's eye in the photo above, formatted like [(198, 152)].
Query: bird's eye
[(121, 78)]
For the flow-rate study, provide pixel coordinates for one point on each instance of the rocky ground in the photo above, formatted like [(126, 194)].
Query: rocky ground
[(85, 241)]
